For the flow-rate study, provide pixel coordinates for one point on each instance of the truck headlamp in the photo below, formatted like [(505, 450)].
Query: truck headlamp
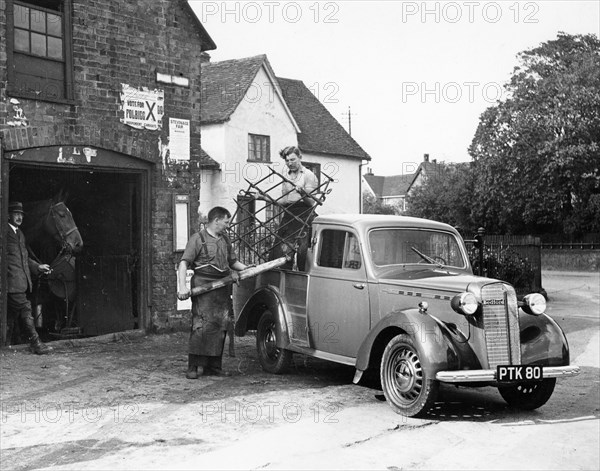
[(465, 304), (534, 304)]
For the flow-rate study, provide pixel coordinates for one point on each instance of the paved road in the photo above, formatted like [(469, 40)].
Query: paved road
[(126, 405)]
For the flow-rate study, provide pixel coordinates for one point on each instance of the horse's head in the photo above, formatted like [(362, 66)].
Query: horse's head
[(59, 222)]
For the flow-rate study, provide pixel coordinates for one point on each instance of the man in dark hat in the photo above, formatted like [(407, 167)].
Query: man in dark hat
[(19, 267)]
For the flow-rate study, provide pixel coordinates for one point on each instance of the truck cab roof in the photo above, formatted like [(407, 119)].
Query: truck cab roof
[(368, 221)]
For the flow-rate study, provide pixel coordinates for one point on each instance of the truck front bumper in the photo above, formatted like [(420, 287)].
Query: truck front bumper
[(475, 376)]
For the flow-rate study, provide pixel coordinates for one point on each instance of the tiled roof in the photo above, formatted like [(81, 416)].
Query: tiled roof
[(387, 186), (224, 85), (426, 168), (396, 185), (399, 185), (206, 161), (320, 132), (375, 182)]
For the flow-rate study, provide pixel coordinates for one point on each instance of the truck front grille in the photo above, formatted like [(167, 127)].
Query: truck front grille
[(501, 324)]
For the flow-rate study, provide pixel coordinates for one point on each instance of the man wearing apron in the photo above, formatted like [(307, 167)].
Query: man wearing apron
[(210, 254)]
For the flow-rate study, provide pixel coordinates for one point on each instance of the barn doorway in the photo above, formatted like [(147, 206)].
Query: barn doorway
[(107, 206)]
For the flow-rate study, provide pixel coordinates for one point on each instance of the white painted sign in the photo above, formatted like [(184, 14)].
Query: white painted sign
[(179, 139), (142, 108), (181, 224)]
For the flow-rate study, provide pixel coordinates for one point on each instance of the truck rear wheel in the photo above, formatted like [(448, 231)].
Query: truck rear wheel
[(406, 384), (528, 396), (272, 358)]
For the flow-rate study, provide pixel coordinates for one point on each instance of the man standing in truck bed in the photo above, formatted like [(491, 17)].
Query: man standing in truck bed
[(298, 206)]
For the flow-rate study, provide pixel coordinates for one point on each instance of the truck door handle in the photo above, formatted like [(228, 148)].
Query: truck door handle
[(359, 285)]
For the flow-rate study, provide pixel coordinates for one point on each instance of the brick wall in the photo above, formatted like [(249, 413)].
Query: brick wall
[(117, 42)]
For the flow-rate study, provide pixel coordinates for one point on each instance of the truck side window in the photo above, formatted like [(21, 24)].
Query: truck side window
[(339, 249)]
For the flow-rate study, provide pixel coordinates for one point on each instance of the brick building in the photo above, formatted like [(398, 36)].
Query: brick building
[(101, 100)]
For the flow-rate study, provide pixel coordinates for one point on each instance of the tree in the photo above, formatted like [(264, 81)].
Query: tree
[(536, 155), (445, 196), (371, 205)]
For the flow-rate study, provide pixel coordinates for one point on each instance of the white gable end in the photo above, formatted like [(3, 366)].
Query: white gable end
[(262, 112)]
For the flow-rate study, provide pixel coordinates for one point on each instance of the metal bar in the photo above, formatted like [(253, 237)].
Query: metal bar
[(508, 329), (248, 273), (280, 206), (466, 376)]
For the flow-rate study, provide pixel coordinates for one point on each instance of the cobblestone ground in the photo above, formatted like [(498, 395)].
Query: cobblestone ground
[(93, 397), (145, 368)]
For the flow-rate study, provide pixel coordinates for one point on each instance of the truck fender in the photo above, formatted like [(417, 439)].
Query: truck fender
[(543, 342), (432, 338), (264, 299)]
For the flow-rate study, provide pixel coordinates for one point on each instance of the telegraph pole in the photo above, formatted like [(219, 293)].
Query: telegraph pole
[(349, 115)]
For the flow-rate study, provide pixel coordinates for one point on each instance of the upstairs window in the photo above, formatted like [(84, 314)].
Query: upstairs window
[(259, 148), (39, 49), (314, 168), (38, 32)]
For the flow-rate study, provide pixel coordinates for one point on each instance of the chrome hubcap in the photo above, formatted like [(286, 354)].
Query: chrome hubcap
[(406, 375)]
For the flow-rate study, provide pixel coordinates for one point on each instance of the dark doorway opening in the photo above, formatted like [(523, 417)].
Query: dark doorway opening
[(107, 208)]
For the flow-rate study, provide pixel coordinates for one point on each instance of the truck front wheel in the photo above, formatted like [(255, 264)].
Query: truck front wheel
[(406, 384), (528, 396), (272, 358)]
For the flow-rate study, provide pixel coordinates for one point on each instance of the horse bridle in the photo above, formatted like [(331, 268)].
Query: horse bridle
[(65, 249), (63, 235)]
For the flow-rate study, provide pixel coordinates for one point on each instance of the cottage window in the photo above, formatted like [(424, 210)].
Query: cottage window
[(314, 168), (259, 148), (39, 49)]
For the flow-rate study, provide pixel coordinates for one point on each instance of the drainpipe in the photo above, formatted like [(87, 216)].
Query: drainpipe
[(360, 198)]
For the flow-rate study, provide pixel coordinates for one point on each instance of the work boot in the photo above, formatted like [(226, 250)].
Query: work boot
[(216, 372), (35, 344), (194, 372), (38, 347)]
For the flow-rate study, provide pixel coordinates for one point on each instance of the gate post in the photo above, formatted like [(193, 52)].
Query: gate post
[(3, 212), (479, 238)]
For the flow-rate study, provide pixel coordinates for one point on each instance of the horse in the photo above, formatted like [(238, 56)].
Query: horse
[(54, 239)]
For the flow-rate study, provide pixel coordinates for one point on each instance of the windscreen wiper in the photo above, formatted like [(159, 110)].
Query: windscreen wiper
[(427, 258)]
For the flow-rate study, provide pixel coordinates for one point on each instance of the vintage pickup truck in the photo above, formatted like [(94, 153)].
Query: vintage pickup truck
[(397, 295)]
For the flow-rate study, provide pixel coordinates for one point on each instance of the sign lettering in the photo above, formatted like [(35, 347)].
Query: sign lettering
[(142, 108)]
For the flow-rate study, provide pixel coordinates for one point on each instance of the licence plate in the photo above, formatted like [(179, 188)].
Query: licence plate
[(519, 373)]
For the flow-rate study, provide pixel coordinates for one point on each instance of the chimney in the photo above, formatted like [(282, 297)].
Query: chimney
[(369, 171), (204, 57), (425, 157)]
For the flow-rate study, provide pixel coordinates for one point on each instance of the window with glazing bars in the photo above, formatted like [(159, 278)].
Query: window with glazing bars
[(39, 49), (259, 148)]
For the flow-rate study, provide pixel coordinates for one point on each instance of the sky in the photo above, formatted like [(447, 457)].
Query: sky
[(415, 76)]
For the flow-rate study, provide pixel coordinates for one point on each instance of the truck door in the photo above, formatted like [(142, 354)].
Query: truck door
[(338, 294)]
